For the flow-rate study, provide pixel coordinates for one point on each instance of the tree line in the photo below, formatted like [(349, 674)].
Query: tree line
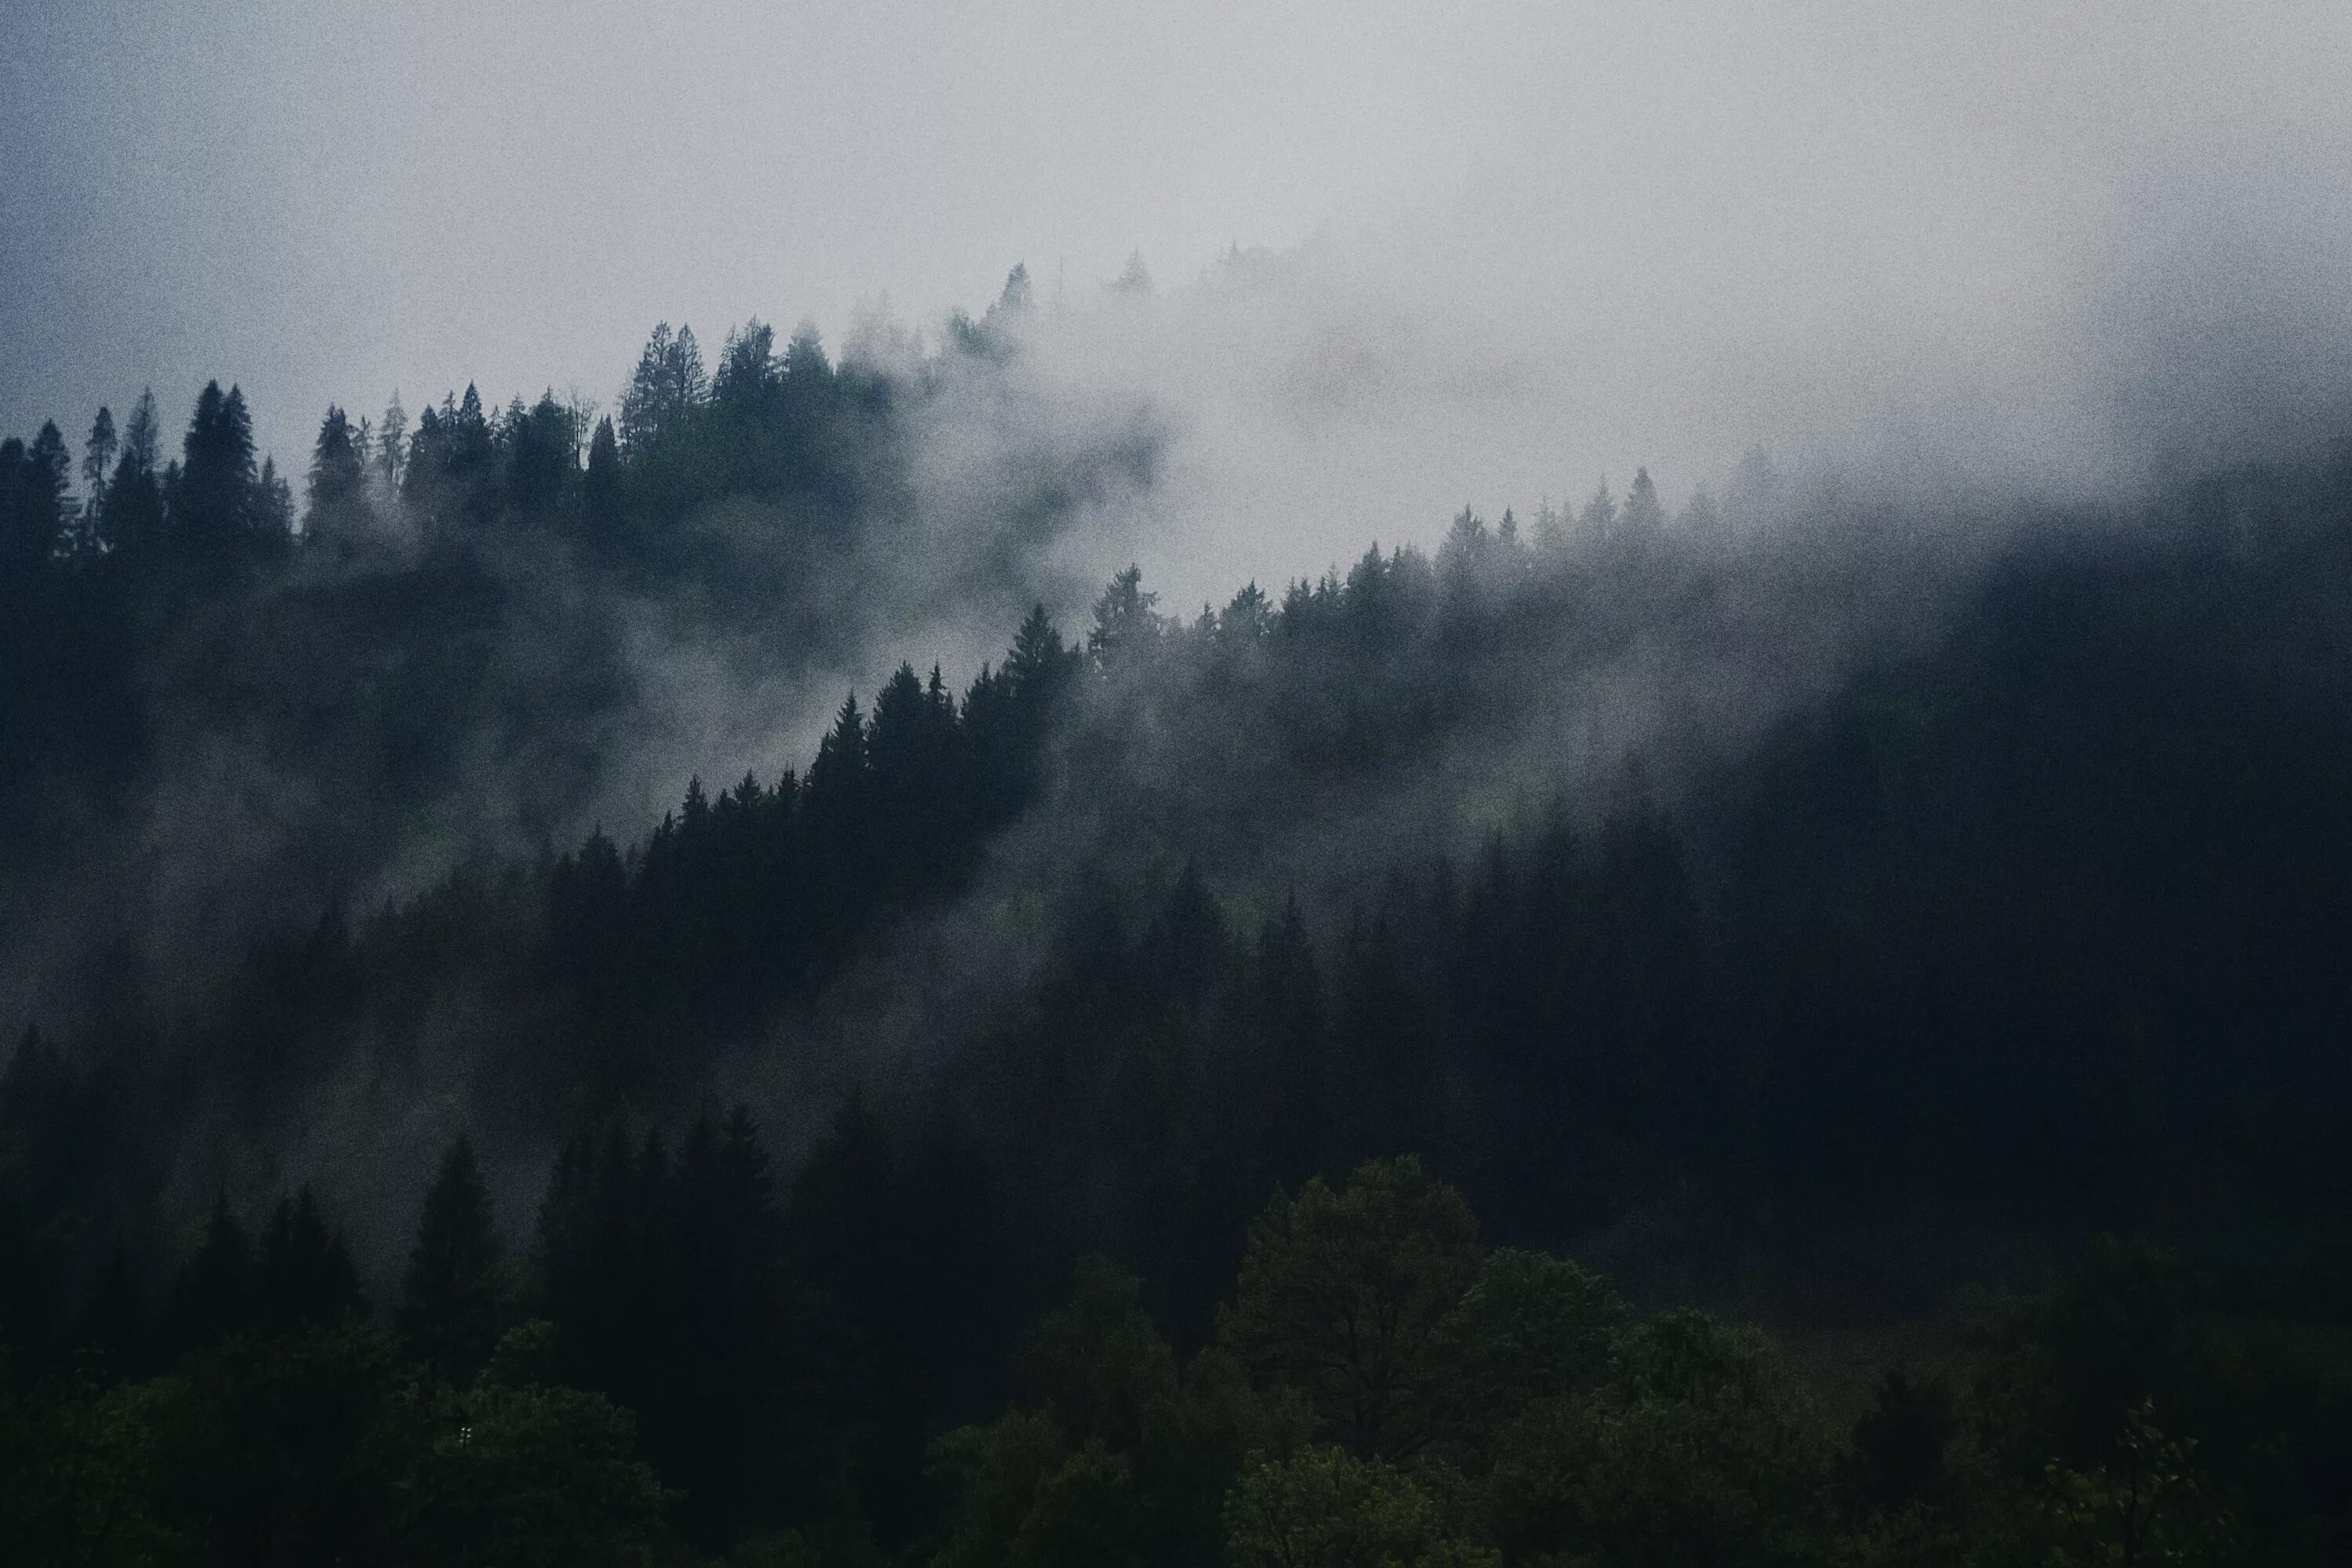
[(689, 1367)]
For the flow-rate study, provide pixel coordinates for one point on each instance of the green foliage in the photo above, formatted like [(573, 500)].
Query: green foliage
[(1325, 1508), (1699, 1448), (1533, 1327), (1098, 1365), (532, 1475), (324, 1445), (287, 1447), (2149, 1503), (1348, 1296), (80, 1466), (1124, 1462)]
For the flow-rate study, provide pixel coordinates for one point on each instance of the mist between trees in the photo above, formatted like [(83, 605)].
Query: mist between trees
[(1801, 902)]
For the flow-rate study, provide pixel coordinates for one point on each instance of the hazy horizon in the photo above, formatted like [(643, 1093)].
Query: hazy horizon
[(2061, 244)]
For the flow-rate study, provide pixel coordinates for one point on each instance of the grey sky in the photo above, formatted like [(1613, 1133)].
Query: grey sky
[(1655, 232)]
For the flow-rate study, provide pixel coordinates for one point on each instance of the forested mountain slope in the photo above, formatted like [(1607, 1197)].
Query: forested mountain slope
[(1805, 905)]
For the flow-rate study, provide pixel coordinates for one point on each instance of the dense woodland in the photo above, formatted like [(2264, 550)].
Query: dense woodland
[(1799, 907)]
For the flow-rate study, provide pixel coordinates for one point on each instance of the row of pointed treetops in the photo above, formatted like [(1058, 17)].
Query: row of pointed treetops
[(526, 455), (766, 422)]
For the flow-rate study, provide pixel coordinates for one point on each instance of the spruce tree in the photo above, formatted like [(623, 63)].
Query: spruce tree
[(33, 509), (97, 465), (132, 517), (338, 476), (541, 456), (599, 491), (305, 1274), (392, 444), (211, 503), (450, 1306), (1643, 511), (269, 520), (214, 1295)]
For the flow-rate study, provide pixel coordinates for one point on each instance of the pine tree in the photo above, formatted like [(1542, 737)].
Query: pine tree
[(805, 366), (837, 777), (142, 436), (215, 1296), (211, 505), (541, 455), (1125, 621), (1599, 518), (305, 1274), (337, 482), (450, 1306), (33, 505), (392, 444), (1016, 298), (96, 467), (472, 448), (1039, 664), (270, 521), (748, 371), (600, 492), (134, 516), (1644, 515), (1246, 618), (669, 384)]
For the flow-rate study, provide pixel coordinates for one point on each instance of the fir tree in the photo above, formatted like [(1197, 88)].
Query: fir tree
[(212, 505), (132, 518), (392, 444), (338, 479), (450, 1306), (96, 467), (600, 491), (33, 507), (1644, 515), (215, 1293), (305, 1274)]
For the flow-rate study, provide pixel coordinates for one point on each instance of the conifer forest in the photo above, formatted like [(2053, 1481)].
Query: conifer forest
[(735, 974)]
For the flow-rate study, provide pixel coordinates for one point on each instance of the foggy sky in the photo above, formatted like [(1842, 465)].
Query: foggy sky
[(1533, 242)]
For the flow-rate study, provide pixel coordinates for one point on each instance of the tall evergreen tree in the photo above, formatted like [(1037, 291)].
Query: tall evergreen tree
[(132, 520), (97, 467), (142, 434), (215, 1294), (450, 1306), (748, 371), (1599, 518), (805, 366), (392, 444), (1125, 623), (1644, 513), (599, 491), (838, 790), (337, 482), (33, 505), (270, 520), (669, 384), (306, 1276), (213, 504), (1039, 664), (540, 454)]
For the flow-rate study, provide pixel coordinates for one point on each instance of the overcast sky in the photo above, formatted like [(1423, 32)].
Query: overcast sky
[(1740, 221)]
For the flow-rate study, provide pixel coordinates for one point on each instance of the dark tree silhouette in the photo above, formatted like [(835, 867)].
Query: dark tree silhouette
[(451, 1294)]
